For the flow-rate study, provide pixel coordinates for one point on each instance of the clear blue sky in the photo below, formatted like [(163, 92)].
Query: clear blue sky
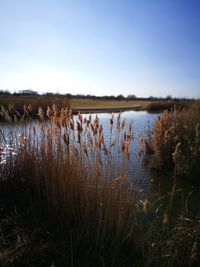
[(101, 47)]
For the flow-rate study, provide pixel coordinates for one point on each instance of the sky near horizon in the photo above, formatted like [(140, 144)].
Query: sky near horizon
[(101, 47)]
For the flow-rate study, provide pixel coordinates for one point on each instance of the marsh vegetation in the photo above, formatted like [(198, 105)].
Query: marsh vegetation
[(64, 204), (175, 142)]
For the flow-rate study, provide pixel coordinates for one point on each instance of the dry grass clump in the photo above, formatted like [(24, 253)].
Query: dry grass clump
[(183, 246), (176, 244), (25, 107), (175, 141), (159, 106)]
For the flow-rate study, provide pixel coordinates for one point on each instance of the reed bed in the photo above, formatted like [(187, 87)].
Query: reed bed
[(16, 106), (158, 106), (175, 142), (64, 209)]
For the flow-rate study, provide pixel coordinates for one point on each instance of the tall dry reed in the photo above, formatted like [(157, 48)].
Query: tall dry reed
[(175, 142)]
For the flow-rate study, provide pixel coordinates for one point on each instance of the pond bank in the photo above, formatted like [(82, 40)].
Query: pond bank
[(105, 109)]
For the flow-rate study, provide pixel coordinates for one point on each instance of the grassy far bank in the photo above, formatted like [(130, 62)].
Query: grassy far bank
[(58, 207), (87, 103), (44, 101), (62, 101)]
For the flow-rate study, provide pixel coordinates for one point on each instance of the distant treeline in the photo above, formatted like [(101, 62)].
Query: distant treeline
[(81, 96)]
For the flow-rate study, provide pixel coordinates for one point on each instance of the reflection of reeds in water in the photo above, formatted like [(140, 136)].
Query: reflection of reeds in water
[(93, 213)]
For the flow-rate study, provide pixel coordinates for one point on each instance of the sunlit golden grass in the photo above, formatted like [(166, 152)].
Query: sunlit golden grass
[(60, 174), (175, 139)]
